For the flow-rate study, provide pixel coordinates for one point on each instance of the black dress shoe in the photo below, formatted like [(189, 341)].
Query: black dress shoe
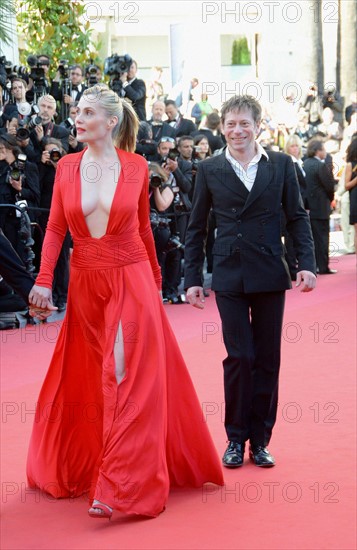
[(328, 272), (261, 456), (234, 455)]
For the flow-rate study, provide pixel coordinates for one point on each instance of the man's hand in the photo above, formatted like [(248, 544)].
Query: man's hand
[(41, 314), (16, 184), (123, 77), (39, 132), (307, 280), (195, 296), (172, 165), (72, 141), (67, 99)]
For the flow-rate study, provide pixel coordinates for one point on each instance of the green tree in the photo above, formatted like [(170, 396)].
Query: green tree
[(55, 28), (240, 52), (7, 10)]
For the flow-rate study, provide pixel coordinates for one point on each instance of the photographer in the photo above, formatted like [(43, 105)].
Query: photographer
[(161, 197), (69, 123), (19, 107), (134, 89), (47, 128), (22, 135), (70, 91), (52, 153), (145, 145), (159, 127), (39, 77), (19, 181), (180, 178)]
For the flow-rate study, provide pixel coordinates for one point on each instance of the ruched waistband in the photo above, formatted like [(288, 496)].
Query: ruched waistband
[(107, 252)]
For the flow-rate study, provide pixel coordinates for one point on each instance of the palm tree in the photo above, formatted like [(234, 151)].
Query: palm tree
[(7, 10)]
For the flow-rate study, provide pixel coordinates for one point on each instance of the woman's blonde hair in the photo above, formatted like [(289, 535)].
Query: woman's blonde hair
[(293, 139), (125, 131)]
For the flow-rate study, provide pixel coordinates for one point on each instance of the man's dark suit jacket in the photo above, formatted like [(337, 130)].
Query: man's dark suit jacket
[(162, 130), (184, 127), (215, 142), (320, 185), (136, 92), (248, 254)]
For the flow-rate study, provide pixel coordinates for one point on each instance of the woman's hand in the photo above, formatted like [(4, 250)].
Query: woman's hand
[(45, 157), (41, 297)]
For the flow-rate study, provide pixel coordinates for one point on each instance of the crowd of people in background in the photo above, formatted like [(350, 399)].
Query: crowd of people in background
[(37, 128)]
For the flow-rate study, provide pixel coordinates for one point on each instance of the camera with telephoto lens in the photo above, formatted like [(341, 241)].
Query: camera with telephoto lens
[(173, 154), (22, 131), (116, 65), (17, 169), (55, 155), (35, 119), (63, 68), (156, 180)]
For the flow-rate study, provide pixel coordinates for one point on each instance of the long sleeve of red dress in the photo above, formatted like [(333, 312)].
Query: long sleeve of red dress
[(55, 233)]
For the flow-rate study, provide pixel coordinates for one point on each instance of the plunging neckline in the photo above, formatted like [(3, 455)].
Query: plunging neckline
[(118, 185)]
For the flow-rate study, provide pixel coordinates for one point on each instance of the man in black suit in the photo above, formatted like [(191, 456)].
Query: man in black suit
[(76, 77), (320, 185), (246, 188), (159, 127), (182, 126), (47, 107), (134, 89)]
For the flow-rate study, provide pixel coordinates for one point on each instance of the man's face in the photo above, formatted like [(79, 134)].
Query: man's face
[(171, 112), (158, 111), (18, 91), (321, 153), (132, 71), (73, 113), (76, 76), (186, 149), (47, 110), (164, 148), (240, 131)]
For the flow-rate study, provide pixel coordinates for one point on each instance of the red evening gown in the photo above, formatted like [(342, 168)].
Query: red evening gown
[(125, 444)]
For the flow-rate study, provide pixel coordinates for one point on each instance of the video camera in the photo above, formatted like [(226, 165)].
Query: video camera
[(63, 68), (37, 73), (91, 74), (116, 65)]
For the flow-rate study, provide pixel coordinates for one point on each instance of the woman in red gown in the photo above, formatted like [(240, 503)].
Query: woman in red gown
[(117, 416)]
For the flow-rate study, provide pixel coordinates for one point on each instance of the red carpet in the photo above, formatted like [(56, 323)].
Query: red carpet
[(308, 501)]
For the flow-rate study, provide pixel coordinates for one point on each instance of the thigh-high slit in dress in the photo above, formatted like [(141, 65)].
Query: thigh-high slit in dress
[(121, 433)]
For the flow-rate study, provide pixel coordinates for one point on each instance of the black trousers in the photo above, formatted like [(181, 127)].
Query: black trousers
[(321, 235), (252, 326)]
